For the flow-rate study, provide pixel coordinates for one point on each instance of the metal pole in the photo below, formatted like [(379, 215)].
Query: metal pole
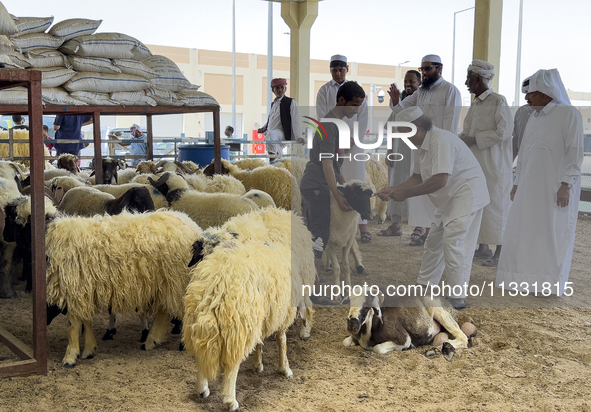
[(518, 68), (269, 56), (453, 55), (234, 64)]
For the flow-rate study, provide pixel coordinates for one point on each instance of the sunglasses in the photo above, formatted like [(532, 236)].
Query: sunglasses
[(427, 68)]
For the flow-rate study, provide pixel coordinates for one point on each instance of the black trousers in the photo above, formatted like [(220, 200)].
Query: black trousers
[(318, 217)]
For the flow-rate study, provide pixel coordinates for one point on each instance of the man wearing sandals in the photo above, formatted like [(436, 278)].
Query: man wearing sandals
[(321, 175), (487, 132), (446, 170), (441, 101)]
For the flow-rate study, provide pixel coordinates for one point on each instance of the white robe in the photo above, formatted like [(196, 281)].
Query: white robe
[(489, 121), (442, 102), (539, 240)]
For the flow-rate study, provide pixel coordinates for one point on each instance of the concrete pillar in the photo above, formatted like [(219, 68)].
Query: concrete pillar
[(300, 17), (487, 34)]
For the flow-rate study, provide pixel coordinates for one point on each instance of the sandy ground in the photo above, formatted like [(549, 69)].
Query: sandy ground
[(525, 358)]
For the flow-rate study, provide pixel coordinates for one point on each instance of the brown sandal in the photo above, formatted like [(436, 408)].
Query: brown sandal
[(420, 241), (417, 233), (389, 231)]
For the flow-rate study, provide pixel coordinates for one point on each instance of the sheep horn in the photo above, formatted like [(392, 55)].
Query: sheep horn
[(17, 170), (160, 163), (160, 181), (181, 166)]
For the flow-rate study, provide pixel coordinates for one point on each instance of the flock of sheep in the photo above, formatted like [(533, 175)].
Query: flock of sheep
[(170, 241)]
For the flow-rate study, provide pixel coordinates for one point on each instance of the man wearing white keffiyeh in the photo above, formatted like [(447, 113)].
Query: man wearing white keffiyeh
[(487, 131), (540, 236)]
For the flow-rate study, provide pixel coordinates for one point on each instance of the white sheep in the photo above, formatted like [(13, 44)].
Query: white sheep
[(125, 262), (88, 201), (243, 290), (215, 184), (250, 164), (8, 193), (120, 189), (377, 179)]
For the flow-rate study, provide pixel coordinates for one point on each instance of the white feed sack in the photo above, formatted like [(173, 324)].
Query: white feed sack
[(105, 83), (8, 63), (107, 45), (93, 64), (165, 97), (133, 98), (95, 99), (15, 95), (6, 45), (18, 59), (32, 24), (134, 67), (46, 58), (196, 98), (68, 29), (55, 76), (170, 76), (36, 41), (7, 26), (59, 96)]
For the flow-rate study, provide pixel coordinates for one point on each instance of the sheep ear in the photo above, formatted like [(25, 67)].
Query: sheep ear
[(92, 174), (197, 253)]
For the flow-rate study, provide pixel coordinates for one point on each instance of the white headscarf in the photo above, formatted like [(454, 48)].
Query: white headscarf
[(549, 83), (482, 69)]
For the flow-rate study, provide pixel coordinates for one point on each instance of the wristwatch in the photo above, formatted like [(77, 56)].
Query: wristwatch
[(566, 184)]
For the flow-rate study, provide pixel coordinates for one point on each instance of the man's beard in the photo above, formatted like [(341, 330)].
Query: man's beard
[(429, 82)]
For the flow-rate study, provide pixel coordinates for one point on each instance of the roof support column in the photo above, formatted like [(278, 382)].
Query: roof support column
[(300, 17), (487, 34)]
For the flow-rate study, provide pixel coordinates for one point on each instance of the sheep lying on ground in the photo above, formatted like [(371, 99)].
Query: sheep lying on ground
[(88, 201), (239, 294), (125, 262), (275, 181), (343, 227), (206, 209), (400, 323), (377, 179)]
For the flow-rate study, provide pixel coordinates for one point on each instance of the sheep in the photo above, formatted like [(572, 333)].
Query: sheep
[(68, 162), (296, 197), (126, 262), (59, 186), (118, 190), (215, 184), (240, 293), (191, 167), (402, 322), (250, 164), (110, 168), (377, 179), (146, 167), (295, 166), (206, 209), (88, 201), (8, 192), (275, 181), (260, 198), (125, 176), (343, 227)]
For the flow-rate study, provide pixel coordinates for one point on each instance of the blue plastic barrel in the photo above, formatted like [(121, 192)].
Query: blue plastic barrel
[(201, 154)]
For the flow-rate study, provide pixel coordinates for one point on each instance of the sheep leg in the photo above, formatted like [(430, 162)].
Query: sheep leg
[(307, 319), (73, 349), (89, 341), (345, 265), (229, 387), (447, 321), (158, 332), (145, 328), (357, 258), (201, 385), (336, 268), (111, 330), (257, 358), (283, 366), (349, 341)]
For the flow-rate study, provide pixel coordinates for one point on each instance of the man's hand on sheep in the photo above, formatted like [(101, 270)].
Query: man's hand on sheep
[(342, 202), (384, 194), (399, 195)]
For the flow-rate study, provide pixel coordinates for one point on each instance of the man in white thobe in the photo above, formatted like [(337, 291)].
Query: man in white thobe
[(442, 102), (446, 170), (326, 100), (487, 132), (284, 114), (540, 236)]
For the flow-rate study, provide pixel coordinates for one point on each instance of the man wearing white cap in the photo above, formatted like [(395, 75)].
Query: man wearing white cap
[(137, 149), (487, 132), (283, 115), (539, 240), (441, 101), (326, 100), (446, 170)]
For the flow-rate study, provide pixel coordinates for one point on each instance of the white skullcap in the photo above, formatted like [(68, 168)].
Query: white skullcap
[(338, 57), (409, 115), (433, 58), (482, 69), (549, 83)]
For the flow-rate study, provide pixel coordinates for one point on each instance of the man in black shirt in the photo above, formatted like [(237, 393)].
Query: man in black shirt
[(323, 172)]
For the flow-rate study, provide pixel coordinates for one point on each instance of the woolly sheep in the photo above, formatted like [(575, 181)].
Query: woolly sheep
[(343, 227), (8, 192), (206, 209), (146, 167), (59, 186), (126, 262), (88, 201), (125, 176), (241, 292), (377, 176), (259, 197), (68, 162), (250, 164), (118, 190), (295, 166), (215, 184)]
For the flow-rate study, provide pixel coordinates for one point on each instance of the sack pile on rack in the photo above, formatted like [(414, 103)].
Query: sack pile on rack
[(82, 67)]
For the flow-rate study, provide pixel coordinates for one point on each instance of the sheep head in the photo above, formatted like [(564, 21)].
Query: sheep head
[(358, 195), (209, 240), (362, 309), (68, 162)]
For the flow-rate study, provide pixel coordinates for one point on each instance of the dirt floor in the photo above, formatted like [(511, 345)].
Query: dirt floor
[(525, 358)]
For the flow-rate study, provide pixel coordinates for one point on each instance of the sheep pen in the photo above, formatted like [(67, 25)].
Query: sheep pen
[(536, 358)]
